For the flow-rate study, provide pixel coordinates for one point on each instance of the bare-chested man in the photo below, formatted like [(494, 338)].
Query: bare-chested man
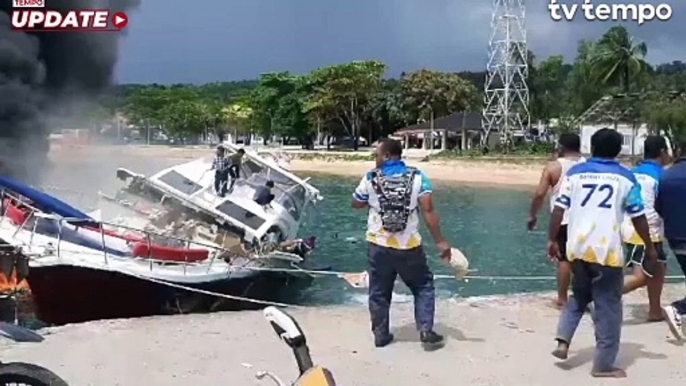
[(569, 155)]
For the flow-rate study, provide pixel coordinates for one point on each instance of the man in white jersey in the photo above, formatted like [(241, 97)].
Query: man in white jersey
[(395, 195), (551, 179), (648, 174), (597, 194)]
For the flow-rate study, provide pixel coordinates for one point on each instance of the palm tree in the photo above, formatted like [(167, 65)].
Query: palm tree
[(618, 58)]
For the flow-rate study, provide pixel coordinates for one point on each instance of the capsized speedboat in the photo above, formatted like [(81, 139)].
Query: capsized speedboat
[(171, 231)]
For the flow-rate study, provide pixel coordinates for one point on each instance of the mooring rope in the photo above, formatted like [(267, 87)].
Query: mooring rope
[(212, 293), (341, 274)]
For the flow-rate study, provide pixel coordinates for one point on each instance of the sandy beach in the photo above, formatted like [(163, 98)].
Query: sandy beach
[(490, 341), (469, 171)]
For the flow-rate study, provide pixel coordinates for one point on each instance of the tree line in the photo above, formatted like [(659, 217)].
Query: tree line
[(357, 99)]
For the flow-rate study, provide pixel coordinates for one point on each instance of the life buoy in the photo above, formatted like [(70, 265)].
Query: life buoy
[(161, 252)]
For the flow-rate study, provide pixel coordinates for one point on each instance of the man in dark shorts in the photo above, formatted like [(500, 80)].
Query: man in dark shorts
[(551, 179), (671, 205), (648, 272)]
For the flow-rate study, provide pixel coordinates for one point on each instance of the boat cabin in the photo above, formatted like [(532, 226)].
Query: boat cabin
[(192, 183)]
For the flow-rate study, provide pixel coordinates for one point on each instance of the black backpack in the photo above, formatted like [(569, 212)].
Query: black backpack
[(395, 193)]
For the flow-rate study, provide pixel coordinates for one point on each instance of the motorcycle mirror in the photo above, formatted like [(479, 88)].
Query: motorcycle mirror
[(285, 326)]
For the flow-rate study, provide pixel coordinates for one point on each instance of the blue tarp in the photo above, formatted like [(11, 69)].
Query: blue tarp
[(50, 204), (43, 201)]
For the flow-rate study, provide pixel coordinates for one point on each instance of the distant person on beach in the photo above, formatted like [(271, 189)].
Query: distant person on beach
[(235, 162), (221, 172), (671, 205), (394, 194), (596, 195), (645, 272), (551, 179)]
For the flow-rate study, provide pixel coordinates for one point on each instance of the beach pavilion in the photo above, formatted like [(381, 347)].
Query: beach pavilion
[(458, 130)]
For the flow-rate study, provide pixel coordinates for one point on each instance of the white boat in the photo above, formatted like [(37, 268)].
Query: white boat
[(174, 232)]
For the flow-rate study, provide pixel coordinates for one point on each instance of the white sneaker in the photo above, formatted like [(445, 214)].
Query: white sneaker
[(673, 320)]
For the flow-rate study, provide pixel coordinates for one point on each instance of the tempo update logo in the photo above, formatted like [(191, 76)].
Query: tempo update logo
[(30, 15)]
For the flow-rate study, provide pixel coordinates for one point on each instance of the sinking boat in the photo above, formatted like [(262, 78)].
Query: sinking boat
[(172, 242)]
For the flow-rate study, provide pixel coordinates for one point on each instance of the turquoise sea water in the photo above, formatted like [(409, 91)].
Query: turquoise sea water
[(486, 223)]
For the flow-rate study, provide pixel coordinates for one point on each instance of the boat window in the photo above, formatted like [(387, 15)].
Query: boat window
[(240, 214), (180, 183), (292, 199), (250, 167)]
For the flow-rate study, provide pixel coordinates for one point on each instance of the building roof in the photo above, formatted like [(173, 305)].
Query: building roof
[(452, 122), (619, 108)]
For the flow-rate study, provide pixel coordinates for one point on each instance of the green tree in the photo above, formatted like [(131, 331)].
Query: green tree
[(349, 89), (618, 58), (547, 90), (667, 116), (184, 118), (389, 113), (278, 104), (435, 93), (584, 90), (236, 117)]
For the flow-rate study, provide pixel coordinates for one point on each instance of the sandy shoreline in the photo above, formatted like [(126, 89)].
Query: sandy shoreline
[(479, 172), (491, 341)]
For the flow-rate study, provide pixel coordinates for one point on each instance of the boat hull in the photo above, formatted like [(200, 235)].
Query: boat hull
[(65, 294)]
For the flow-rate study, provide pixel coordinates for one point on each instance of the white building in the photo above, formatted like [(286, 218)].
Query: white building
[(587, 130), (614, 112)]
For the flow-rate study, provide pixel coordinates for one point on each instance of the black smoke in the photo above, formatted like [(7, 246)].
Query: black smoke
[(41, 75)]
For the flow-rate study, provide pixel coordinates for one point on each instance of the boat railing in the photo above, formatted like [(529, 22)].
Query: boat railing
[(214, 252)]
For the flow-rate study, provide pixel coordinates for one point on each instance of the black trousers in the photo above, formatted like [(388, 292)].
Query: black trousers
[(234, 173), (221, 179), (385, 264)]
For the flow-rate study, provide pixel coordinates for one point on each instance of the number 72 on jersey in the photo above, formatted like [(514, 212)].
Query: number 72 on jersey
[(601, 193)]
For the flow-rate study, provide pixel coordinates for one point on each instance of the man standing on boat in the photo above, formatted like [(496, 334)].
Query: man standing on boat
[(671, 205), (394, 194), (551, 179), (221, 172), (234, 168)]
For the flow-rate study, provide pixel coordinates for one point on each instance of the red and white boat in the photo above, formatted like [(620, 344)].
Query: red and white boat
[(176, 233)]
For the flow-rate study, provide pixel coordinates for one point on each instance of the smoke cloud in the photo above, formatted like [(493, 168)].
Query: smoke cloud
[(41, 75)]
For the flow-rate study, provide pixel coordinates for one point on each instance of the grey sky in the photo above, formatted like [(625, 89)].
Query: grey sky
[(170, 41)]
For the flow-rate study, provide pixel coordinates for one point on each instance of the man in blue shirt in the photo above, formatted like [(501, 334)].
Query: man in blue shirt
[(671, 205), (648, 174)]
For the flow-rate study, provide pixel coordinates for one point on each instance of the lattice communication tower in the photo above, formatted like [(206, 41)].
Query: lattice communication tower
[(506, 94)]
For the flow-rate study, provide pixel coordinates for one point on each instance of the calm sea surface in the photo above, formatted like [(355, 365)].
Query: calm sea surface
[(486, 223)]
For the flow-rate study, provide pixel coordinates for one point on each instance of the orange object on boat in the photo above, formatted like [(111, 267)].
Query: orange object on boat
[(17, 215), (161, 252)]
